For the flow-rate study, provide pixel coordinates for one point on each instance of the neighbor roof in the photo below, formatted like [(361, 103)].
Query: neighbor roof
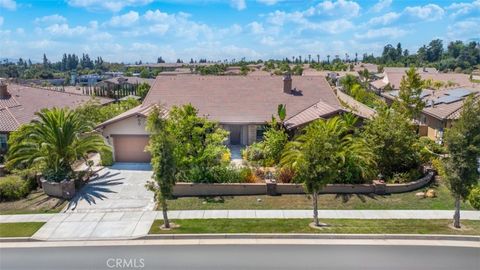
[(129, 80), (24, 101), (241, 99), (394, 78), (442, 111)]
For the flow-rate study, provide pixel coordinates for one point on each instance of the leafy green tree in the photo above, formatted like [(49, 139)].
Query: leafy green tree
[(93, 111), (282, 112), (161, 147), (393, 139), (145, 73), (463, 147), (142, 90), (319, 154), (411, 87), (54, 142), (199, 143)]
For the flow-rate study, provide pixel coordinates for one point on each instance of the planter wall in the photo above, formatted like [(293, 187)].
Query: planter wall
[(64, 189), (377, 187)]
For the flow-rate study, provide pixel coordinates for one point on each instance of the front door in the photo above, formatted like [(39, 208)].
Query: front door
[(235, 134)]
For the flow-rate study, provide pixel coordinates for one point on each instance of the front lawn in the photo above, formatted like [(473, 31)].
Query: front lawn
[(408, 201), (339, 226), (35, 203), (20, 229)]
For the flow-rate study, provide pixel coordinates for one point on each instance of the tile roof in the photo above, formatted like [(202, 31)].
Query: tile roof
[(394, 78), (440, 111), (316, 111), (140, 110), (356, 106), (129, 80), (24, 101), (242, 99)]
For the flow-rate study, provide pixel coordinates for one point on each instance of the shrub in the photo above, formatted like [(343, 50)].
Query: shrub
[(106, 158), (221, 174), (285, 175), (248, 176), (438, 166), (13, 188), (405, 177), (474, 197), (428, 149), (254, 152)]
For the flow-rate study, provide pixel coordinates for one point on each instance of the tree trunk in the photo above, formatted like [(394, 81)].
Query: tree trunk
[(315, 208), (166, 222), (456, 216)]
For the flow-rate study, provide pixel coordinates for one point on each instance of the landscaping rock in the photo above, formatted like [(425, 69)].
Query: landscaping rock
[(420, 194), (431, 193), (259, 200)]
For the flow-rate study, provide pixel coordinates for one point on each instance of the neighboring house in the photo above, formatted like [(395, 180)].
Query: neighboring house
[(122, 80), (442, 108), (88, 80), (18, 105), (393, 77), (241, 104)]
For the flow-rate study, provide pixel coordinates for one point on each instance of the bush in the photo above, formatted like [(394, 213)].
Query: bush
[(285, 175), (438, 166), (428, 149), (405, 177), (474, 197), (106, 158), (13, 188), (254, 152)]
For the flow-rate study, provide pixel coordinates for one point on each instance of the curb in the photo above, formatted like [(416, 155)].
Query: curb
[(316, 236), (17, 239)]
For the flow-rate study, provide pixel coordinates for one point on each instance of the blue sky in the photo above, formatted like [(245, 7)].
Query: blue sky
[(130, 30)]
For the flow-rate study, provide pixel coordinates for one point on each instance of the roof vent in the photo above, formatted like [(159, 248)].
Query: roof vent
[(4, 94), (287, 83)]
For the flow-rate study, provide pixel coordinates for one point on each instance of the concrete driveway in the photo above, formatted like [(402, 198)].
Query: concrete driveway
[(120, 188)]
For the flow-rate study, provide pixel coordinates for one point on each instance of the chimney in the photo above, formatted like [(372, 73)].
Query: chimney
[(3, 90), (287, 83)]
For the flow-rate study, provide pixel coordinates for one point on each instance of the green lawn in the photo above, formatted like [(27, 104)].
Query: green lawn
[(443, 201), (339, 226), (20, 229), (35, 203)]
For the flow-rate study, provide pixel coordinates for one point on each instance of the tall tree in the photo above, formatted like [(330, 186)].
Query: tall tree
[(410, 94), (161, 147), (463, 146)]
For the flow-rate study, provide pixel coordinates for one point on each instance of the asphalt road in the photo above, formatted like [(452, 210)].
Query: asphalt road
[(211, 257)]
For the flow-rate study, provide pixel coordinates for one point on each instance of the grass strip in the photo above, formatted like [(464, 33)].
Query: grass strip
[(19, 229)]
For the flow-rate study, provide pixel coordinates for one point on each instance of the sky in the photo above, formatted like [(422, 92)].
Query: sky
[(132, 30)]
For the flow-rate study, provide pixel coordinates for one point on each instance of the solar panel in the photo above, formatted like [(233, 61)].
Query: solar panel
[(424, 94), (459, 92), (447, 99)]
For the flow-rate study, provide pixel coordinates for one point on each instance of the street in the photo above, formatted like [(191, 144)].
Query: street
[(210, 257)]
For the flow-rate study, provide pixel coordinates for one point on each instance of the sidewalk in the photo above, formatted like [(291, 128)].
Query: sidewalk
[(129, 225)]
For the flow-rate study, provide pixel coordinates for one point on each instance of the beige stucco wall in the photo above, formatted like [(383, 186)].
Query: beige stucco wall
[(127, 126), (434, 127)]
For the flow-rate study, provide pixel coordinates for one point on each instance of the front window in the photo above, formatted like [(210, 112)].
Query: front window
[(260, 131), (3, 141)]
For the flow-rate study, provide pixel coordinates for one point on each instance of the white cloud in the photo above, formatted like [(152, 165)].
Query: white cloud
[(464, 29), (338, 8), (124, 20), (269, 41), (269, 2), (463, 8), (256, 28), (385, 32), (334, 26), (381, 5), (430, 12), (111, 5), (8, 4), (238, 4), (385, 19), (55, 18), (65, 30)]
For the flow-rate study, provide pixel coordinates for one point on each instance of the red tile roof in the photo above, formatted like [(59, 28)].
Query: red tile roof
[(24, 101), (243, 99)]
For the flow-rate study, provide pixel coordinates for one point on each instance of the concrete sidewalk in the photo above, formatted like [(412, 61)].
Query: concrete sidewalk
[(134, 224)]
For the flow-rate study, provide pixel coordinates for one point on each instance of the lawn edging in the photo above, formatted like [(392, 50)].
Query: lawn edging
[(313, 236), (18, 239)]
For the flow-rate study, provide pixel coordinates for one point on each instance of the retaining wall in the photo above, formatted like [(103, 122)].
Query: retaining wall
[(377, 187)]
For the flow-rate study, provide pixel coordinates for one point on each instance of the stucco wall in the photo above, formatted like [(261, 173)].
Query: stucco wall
[(128, 126)]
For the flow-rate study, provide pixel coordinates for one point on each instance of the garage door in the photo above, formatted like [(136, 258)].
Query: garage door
[(131, 148)]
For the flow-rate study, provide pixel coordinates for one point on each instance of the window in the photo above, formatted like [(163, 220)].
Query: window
[(260, 131), (3, 141)]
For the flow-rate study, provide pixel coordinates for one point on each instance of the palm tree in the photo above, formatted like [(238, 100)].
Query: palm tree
[(319, 155), (328, 58), (54, 142), (318, 58)]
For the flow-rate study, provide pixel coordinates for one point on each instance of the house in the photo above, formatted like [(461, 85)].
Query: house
[(241, 104), (393, 77), (124, 80), (18, 105), (442, 108)]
